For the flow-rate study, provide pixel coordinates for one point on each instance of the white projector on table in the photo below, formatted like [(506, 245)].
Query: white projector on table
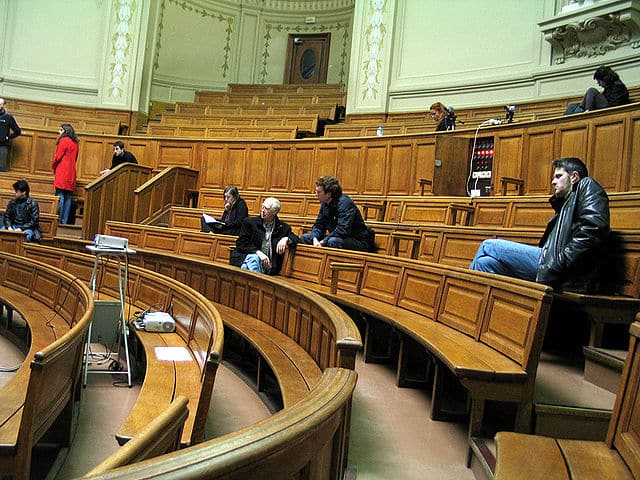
[(158, 322), (108, 241)]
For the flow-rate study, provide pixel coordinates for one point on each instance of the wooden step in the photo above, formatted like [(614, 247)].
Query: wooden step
[(603, 367), (73, 231), (565, 404)]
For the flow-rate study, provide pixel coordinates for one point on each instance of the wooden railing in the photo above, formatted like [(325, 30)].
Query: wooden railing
[(169, 187), (111, 197)]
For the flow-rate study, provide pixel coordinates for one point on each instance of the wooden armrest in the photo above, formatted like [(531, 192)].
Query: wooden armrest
[(518, 182), (337, 267), (413, 237), (454, 208), (379, 206), (423, 182)]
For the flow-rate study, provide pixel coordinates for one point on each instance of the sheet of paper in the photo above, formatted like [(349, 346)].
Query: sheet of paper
[(209, 219), (173, 354)]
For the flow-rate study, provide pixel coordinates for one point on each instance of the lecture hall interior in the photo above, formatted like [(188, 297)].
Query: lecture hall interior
[(142, 353)]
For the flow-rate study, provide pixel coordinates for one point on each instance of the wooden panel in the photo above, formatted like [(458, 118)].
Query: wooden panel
[(278, 173), (256, 177), (176, 154), (537, 161), (380, 281), (373, 177), (236, 168), (462, 306), (328, 157), (349, 164), (633, 179), (212, 174), (571, 141), (400, 160), (301, 174), (508, 156), (509, 324), (419, 292), (607, 142)]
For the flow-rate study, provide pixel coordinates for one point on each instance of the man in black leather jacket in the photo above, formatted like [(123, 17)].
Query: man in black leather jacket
[(572, 248)]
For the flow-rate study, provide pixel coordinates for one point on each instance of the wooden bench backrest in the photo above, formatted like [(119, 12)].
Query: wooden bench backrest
[(311, 435), (325, 332), (46, 203), (508, 315), (160, 436)]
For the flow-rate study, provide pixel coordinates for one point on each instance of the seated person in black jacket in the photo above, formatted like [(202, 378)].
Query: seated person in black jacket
[(235, 211), (573, 246), (120, 156), (263, 240), (23, 213), (339, 223), (614, 92)]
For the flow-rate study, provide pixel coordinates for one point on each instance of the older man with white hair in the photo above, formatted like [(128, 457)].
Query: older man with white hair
[(7, 125), (263, 240)]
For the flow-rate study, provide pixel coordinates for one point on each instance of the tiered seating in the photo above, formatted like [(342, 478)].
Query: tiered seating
[(256, 112), (91, 120), (198, 334)]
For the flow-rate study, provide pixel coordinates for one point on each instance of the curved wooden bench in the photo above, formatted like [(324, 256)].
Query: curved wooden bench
[(309, 438), (162, 435), (57, 310), (199, 330), (486, 330)]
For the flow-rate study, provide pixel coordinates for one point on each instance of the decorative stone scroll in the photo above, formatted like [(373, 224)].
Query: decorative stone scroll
[(593, 32)]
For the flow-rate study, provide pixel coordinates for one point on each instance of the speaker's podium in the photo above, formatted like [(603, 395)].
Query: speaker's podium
[(463, 164), (109, 323)]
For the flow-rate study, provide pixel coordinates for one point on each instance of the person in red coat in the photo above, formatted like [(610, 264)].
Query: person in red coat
[(64, 169)]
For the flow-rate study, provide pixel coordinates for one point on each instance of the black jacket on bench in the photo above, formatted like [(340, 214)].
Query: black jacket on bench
[(574, 242)]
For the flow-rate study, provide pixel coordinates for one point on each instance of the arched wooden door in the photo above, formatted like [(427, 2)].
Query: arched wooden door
[(307, 58)]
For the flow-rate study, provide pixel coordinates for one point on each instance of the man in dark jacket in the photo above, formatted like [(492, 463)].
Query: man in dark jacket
[(573, 245), (7, 125), (120, 156), (263, 240), (340, 217), (23, 213)]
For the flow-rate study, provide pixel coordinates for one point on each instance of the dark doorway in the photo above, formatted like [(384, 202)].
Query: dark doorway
[(307, 58)]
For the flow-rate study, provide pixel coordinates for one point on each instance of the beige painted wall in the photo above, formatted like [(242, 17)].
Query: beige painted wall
[(83, 52), (394, 55), (206, 44), (407, 54)]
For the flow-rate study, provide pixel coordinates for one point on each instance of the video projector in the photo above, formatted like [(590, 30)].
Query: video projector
[(158, 322), (107, 241)]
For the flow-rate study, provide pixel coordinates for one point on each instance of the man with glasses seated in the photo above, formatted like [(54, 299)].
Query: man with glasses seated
[(263, 240)]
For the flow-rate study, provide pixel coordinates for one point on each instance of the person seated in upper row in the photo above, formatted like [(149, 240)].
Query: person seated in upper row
[(340, 217), (440, 114), (574, 244), (235, 211), (120, 156), (23, 213), (614, 93), (263, 240)]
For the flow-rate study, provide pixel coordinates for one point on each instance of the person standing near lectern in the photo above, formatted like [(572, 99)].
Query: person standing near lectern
[(9, 130)]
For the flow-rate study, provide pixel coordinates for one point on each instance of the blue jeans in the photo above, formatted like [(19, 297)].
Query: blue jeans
[(348, 243), (252, 262), (504, 257), (64, 205)]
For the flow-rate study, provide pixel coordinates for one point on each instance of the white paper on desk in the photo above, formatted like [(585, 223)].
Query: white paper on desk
[(173, 354), (209, 219)]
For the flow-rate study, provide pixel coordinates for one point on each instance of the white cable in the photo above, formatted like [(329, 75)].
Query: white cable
[(473, 151)]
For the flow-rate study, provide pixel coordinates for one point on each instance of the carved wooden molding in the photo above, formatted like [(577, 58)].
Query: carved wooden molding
[(593, 31)]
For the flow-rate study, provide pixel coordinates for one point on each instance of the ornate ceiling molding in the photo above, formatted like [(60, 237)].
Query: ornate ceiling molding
[(594, 31)]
